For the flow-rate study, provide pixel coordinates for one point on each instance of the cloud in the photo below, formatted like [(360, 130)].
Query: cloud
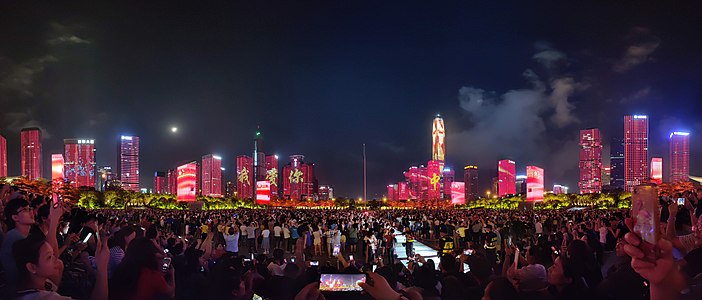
[(642, 93), (15, 121), (548, 56), (563, 88), (641, 45), (67, 39), (19, 77)]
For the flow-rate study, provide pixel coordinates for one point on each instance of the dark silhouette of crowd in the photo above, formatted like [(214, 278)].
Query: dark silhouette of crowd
[(50, 249)]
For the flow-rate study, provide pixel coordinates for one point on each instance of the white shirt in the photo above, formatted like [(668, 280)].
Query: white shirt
[(242, 229), (539, 228), (286, 233), (276, 231), (232, 242), (603, 235), (266, 233)]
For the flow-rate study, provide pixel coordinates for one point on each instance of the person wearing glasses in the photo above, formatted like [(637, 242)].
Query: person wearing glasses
[(19, 218)]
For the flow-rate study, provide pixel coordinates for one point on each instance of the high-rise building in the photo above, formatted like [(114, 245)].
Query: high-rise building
[(106, 179), (324, 193), (391, 192), (3, 156), (679, 156), (424, 181), (434, 180), (30, 140), (657, 170), (495, 186), (299, 181), (272, 174), (187, 182), (172, 181), (79, 162), (57, 167), (535, 183), (259, 165), (438, 137), (413, 186), (470, 178), (244, 177), (590, 161), (129, 162), (521, 184), (506, 172), (160, 186), (229, 189), (560, 189), (616, 163), (635, 151), (402, 190), (606, 176), (447, 178), (212, 175)]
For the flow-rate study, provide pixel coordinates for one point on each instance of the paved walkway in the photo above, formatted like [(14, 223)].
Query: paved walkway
[(419, 248)]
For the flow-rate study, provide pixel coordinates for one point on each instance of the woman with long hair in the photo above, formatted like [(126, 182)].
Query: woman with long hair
[(141, 274), (118, 244)]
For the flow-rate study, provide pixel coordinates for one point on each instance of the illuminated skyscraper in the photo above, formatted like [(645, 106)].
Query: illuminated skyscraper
[(402, 191), (535, 183), (413, 186), (172, 181), (3, 156), (446, 179), (160, 186), (679, 156), (325, 192), (657, 170), (506, 172), (299, 181), (79, 162), (30, 139), (434, 180), (521, 184), (606, 176), (391, 192), (187, 182), (424, 180), (129, 163), (470, 178), (438, 137), (244, 177), (57, 167), (106, 179), (590, 161), (272, 174), (560, 189), (616, 163), (635, 151), (212, 175)]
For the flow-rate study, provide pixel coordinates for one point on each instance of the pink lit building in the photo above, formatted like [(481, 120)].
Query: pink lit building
[(57, 167), (244, 177), (212, 175), (657, 170), (391, 192), (129, 163), (447, 179), (3, 156), (172, 181), (187, 182), (535, 183), (434, 180), (506, 176), (635, 151), (160, 185), (679, 156), (272, 174), (590, 161), (30, 140), (79, 162)]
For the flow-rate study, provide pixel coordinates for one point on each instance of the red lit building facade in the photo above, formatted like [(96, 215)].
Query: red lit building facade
[(636, 169), (57, 167), (299, 181), (212, 175), (402, 191), (657, 170), (392, 192), (679, 156), (447, 179), (3, 156), (272, 174), (244, 177), (470, 178), (79, 162), (187, 182), (413, 186), (160, 183), (535, 183), (506, 176), (590, 161), (129, 163), (30, 140), (434, 180), (172, 181)]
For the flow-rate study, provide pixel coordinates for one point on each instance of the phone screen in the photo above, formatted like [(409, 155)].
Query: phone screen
[(314, 263), (336, 250), (166, 264), (341, 282), (256, 297), (645, 210), (87, 237), (681, 201)]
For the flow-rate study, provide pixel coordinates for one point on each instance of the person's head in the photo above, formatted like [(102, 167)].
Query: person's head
[(35, 259), (278, 255), (488, 228), (230, 231), (562, 272), (18, 213), (122, 238), (500, 289), (142, 253), (447, 264)]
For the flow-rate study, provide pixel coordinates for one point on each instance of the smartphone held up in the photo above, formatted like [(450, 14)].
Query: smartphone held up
[(645, 212)]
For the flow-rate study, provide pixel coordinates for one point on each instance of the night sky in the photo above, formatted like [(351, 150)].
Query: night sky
[(512, 80)]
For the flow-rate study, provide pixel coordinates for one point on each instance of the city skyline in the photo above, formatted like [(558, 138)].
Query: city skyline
[(511, 81)]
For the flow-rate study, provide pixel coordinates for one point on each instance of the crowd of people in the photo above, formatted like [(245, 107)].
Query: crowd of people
[(51, 249)]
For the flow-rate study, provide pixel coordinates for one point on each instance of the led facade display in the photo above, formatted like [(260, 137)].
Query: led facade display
[(57, 167), (535, 183), (244, 177), (187, 182), (129, 163), (3, 156), (458, 192), (657, 170), (212, 175), (590, 164), (263, 192), (30, 139), (679, 156), (506, 176), (434, 180), (79, 162), (636, 169), (438, 137), (402, 191)]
